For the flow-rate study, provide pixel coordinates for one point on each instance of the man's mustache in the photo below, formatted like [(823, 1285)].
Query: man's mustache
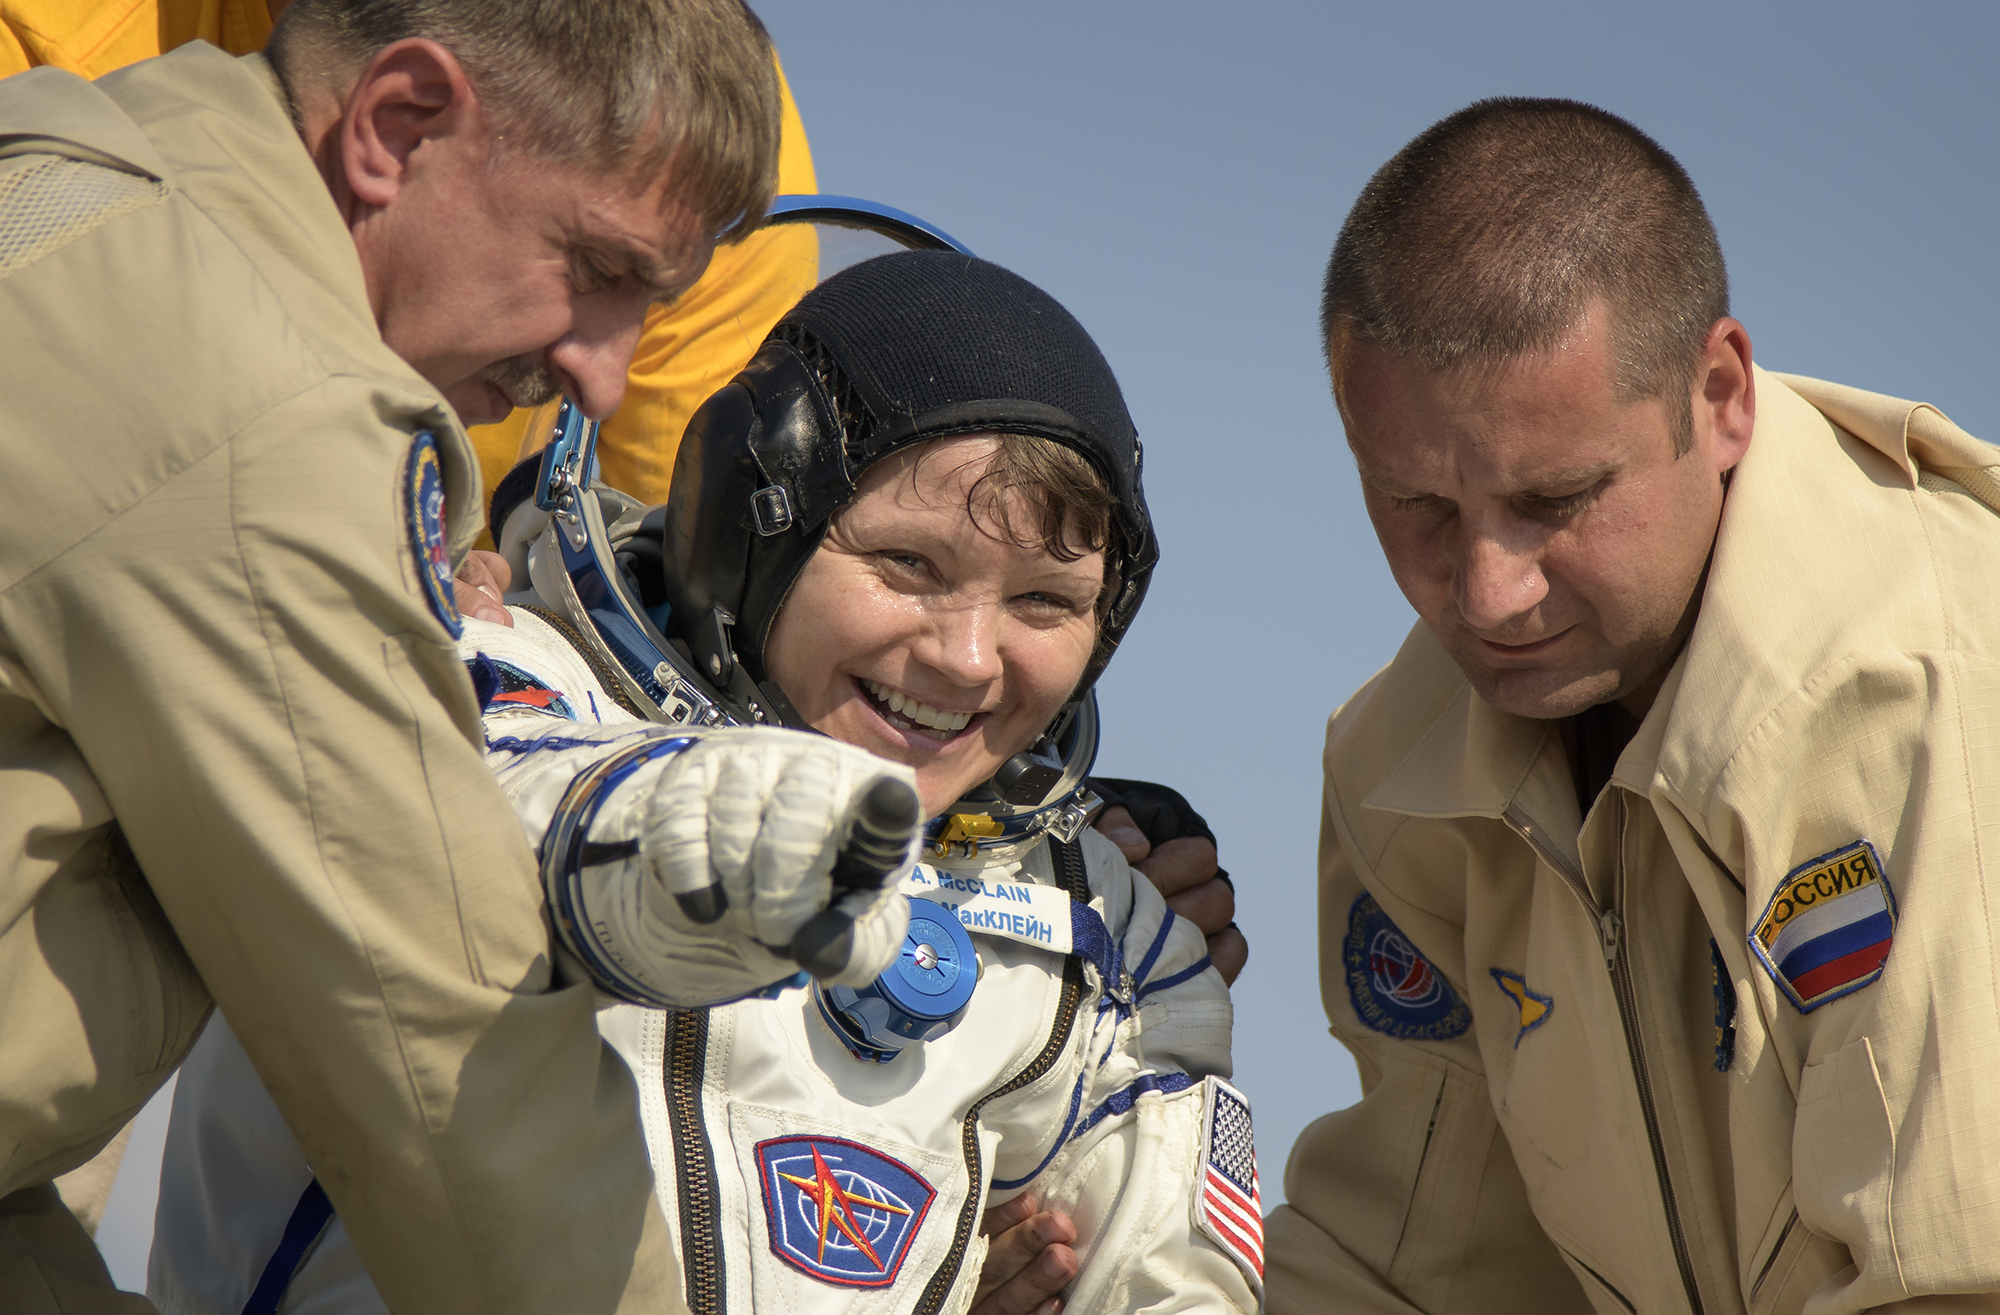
[(525, 380)]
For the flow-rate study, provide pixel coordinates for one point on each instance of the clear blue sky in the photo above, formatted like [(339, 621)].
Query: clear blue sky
[(1175, 173)]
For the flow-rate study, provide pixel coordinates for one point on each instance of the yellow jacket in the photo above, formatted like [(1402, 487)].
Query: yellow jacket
[(227, 664), (1654, 1059), (686, 351), (92, 37)]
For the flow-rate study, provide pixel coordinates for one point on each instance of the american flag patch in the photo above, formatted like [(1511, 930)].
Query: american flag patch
[(1228, 1207)]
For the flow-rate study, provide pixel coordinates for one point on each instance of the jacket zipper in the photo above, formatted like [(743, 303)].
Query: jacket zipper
[(694, 1160), (1611, 939), (1070, 865)]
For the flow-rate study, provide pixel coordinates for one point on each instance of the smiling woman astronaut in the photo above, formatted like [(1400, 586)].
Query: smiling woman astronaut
[(914, 524)]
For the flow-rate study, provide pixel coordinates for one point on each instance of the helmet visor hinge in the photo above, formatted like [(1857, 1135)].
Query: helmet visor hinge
[(711, 645)]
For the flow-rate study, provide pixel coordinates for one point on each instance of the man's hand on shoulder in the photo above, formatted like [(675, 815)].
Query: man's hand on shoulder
[(482, 579), (1162, 836)]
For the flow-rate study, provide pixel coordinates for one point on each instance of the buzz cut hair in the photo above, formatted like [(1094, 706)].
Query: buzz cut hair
[(1491, 233), (632, 87)]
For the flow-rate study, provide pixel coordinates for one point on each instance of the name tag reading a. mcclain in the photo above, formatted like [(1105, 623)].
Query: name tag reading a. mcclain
[(1018, 910)]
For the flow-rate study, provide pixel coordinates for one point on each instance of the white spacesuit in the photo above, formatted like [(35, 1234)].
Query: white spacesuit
[(1050, 1026), (796, 1175)]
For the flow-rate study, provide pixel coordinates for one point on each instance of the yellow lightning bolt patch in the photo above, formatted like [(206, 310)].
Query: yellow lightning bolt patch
[(835, 1207), (1534, 1006)]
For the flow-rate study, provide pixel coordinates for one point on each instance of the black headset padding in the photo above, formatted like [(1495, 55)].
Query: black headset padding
[(769, 425), (776, 425)]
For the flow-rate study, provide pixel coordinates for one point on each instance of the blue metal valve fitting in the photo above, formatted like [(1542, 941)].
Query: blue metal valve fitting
[(921, 997)]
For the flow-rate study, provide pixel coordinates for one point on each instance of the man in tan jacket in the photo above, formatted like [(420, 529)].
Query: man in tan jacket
[(244, 307), (1653, 895)]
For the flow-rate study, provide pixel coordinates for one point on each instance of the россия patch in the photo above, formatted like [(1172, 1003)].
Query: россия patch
[(1828, 927)]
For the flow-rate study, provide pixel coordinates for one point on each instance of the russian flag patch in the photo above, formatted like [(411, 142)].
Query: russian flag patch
[(1828, 927), (1228, 1207)]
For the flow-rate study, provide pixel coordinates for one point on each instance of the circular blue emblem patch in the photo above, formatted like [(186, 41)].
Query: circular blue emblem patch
[(423, 498), (1395, 989)]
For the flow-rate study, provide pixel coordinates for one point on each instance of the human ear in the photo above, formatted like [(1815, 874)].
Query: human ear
[(410, 92), (1726, 392)]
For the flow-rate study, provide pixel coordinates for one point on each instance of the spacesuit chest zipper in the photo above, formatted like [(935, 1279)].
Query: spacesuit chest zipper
[(694, 1159), (1069, 862), (599, 667), (1617, 960)]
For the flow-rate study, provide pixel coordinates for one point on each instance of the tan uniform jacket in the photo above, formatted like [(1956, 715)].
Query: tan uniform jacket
[(1551, 1128), (221, 647)]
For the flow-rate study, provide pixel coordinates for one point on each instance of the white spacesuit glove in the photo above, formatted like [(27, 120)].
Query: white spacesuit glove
[(743, 829)]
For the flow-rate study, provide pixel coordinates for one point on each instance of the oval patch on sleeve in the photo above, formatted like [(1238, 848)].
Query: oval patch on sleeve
[(423, 503), (1395, 990)]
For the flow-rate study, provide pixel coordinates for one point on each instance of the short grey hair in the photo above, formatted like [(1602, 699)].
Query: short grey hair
[(631, 86)]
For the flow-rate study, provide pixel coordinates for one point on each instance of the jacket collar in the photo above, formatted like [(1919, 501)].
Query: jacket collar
[(1477, 761), (1471, 762), (1911, 434), (49, 111)]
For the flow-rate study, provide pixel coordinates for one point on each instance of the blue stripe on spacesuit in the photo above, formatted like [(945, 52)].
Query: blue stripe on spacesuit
[(1200, 966), (1062, 1138), (1118, 1102), (1092, 941), (1125, 1098), (562, 852), (542, 744), (1153, 950), (309, 1219)]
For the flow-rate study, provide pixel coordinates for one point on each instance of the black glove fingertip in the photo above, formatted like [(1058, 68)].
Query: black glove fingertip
[(702, 906), (824, 945)]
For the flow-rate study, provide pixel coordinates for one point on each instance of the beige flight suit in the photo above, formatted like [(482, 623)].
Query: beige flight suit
[(1571, 1142), (222, 662)]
